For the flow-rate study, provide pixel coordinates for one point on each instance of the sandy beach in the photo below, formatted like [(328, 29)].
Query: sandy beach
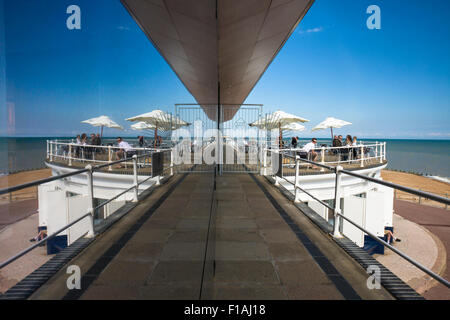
[(417, 182)]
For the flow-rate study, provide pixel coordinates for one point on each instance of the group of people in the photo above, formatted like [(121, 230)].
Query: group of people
[(125, 150), (308, 149), (349, 141), (95, 139), (83, 140)]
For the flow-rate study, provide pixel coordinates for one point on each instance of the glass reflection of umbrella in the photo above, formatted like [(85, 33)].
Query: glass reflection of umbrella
[(142, 126), (277, 120), (160, 120), (102, 121), (331, 123)]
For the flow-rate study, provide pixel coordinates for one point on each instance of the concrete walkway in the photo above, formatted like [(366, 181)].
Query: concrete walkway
[(189, 241), (437, 221)]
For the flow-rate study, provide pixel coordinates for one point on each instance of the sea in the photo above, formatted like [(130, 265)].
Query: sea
[(425, 157)]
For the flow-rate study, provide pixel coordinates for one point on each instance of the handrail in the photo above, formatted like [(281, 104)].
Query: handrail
[(89, 169), (338, 170), (421, 193), (404, 256)]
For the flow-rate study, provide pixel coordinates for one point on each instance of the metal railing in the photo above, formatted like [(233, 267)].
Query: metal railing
[(361, 154), (338, 215), (72, 153), (89, 170)]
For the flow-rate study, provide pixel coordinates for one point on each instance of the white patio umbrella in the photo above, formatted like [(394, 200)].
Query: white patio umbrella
[(142, 126), (102, 121), (278, 119), (293, 127), (331, 123), (160, 120)]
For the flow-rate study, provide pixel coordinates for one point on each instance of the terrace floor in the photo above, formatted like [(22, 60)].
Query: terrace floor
[(200, 237)]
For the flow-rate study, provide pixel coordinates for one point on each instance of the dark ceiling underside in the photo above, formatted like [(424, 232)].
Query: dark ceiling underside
[(225, 42)]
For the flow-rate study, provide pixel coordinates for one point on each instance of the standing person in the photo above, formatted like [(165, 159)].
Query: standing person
[(141, 141), (84, 142), (294, 142), (347, 151), (355, 149), (336, 142), (77, 148), (99, 139)]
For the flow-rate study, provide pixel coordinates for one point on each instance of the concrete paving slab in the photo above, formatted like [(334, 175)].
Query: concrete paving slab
[(241, 251)]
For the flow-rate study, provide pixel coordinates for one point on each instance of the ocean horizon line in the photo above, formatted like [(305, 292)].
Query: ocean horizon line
[(290, 136)]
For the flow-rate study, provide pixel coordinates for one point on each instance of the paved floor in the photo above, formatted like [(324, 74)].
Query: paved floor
[(437, 221), (232, 243)]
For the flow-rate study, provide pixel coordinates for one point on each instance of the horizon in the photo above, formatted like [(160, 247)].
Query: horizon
[(285, 137), (393, 82)]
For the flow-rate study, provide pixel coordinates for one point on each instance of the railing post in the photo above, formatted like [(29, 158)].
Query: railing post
[(376, 149), (296, 181), (337, 203), (90, 185), (420, 198), (380, 145), (109, 157), (135, 175), (362, 156), (171, 162), (51, 151), (384, 153), (48, 153), (322, 154), (446, 205), (70, 155)]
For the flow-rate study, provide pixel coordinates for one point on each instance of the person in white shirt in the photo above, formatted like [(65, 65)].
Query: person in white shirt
[(124, 150), (309, 148)]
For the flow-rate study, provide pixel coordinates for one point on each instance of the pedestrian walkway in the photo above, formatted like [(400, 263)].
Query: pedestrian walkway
[(197, 237)]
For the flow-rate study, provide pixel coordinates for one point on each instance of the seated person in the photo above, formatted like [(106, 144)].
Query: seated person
[(125, 150), (389, 237), (309, 149)]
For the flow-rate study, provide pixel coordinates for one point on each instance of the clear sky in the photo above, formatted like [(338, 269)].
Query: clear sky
[(390, 83)]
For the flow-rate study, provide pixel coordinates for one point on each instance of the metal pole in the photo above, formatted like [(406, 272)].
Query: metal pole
[(90, 185), (337, 203), (384, 153), (381, 152), (48, 153), (420, 198), (362, 156), (322, 154), (296, 183), (446, 205), (70, 155), (376, 149), (135, 175), (171, 162), (109, 158), (51, 151)]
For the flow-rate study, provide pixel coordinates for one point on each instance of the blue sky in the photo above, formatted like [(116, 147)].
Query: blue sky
[(390, 83)]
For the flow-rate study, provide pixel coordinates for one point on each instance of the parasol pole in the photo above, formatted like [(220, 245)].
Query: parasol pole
[(280, 135), (101, 135), (332, 137)]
